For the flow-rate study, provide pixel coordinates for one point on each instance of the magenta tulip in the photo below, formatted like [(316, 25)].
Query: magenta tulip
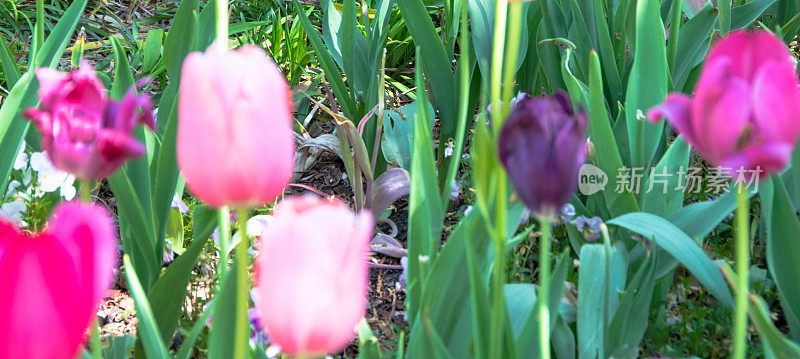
[(312, 275), (83, 131), (745, 113), (235, 144), (52, 283)]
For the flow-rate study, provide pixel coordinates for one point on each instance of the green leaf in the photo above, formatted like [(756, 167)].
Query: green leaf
[(743, 16), (59, 38), (425, 215), (693, 43), (627, 327), (148, 330), (179, 37), (12, 127), (528, 339), (120, 347), (699, 219), (328, 65), (152, 49), (169, 292), (662, 194), (194, 333), (223, 326), (776, 345), (647, 85), (9, 65), (435, 61), (398, 129), (606, 151), (782, 227), (166, 172), (368, 345), (669, 237), (174, 231), (598, 264), (123, 77), (130, 210)]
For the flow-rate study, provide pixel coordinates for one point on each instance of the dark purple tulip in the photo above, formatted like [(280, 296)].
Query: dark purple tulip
[(542, 146)]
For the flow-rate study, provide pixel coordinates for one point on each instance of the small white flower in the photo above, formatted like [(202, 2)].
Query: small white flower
[(448, 150), (51, 178), (12, 188), (179, 204), (257, 224), (13, 211), (467, 210), (22, 158)]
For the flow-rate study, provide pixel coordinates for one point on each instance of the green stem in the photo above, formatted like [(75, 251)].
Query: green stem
[(501, 12), (242, 334), (544, 288), (499, 272), (222, 24), (97, 346), (512, 52), (742, 269), (84, 190), (224, 225)]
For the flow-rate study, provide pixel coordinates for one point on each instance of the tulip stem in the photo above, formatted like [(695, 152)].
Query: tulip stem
[(224, 226), (742, 269), (544, 287), (500, 14), (84, 190), (242, 335), (222, 24), (97, 346)]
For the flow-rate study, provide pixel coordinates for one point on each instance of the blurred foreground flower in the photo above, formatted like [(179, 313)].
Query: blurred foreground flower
[(235, 144), (312, 275), (542, 147), (745, 112), (52, 282), (83, 131)]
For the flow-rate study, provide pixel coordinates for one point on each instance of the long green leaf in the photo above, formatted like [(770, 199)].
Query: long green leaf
[(435, 61), (647, 85), (782, 248), (148, 330), (669, 237), (606, 151)]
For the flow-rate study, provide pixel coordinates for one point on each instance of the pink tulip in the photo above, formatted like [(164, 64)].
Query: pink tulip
[(83, 131), (235, 144), (745, 113), (312, 275), (52, 283)]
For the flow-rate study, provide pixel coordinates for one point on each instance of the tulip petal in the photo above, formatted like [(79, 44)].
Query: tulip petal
[(87, 233), (721, 110), (235, 144), (51, 83), (53, 282), (767, 158), (749, 50), (776, 101), (677, 109), (310, 304)]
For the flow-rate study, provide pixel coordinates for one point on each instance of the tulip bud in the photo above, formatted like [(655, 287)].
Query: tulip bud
[(235, 143), (542, 146), (83, 131), (312, 275), (590, 149), (53, 282), (745, 113)]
